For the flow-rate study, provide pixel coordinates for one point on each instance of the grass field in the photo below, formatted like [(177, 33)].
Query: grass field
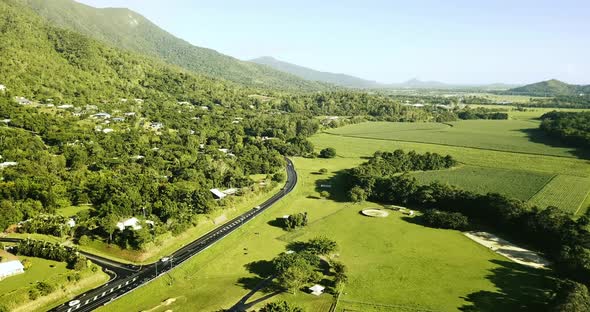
[(482, 180), (14, 289), (501, 135), (496, 156), (392, 262)]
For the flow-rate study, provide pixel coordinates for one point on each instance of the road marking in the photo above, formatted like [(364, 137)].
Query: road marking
[(86, 301), (94, 297), (104, 292)]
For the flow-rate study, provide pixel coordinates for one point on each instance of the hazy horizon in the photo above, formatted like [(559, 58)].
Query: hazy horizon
[(457, 42)]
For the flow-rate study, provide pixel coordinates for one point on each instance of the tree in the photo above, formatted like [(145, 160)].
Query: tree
[(445, 220), (280, 306), (357, 194), (325, 194), (323, 171), (278, 177), (321, 246), (328, 152), (27, 264), (571, 297)]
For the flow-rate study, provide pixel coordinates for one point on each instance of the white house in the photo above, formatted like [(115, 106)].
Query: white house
[(2, 87), (5, 121), (65, 106), (8, 164), (71, 223), (102, 115), (217, 193), (131, 222), (22, 101), (11, 268), (317, 289), (107, 130), (156, 125), (118, 119)]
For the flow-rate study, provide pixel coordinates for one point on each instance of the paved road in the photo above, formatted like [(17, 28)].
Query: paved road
[(125, 278)]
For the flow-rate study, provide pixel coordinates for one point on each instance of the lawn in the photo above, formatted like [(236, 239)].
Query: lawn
[(482, 180), (391, 261), (71, 211)]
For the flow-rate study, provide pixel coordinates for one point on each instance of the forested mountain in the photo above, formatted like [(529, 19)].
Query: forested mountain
[(314, 75), (129, 30), (551, 88)]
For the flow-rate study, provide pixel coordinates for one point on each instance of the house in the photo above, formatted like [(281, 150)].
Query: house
[(71, 223), (118, 119), (22, 101), (205, 107), (123, 100), (2, 88), (417, 105), (138, 101), (184, 103), (129, 114), (77, 114), (107, 130), (5, 121), (317, 289), (11, 268), (131, 222), (91, 107), (217, 193), (156, 125), (230, 191), (65, 106), (223, 150), (8, 164), (102, 116)]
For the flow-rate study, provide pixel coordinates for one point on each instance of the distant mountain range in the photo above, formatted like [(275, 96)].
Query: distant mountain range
[(349, 81), (314, 75), (131, 31), (551, 87)]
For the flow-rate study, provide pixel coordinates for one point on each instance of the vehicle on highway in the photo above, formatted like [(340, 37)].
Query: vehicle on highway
[(74, 303), (257, 207), (165, 259)]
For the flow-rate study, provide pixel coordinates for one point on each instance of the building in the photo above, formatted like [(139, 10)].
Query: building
[(11, 268), (217, 193), (66, 106), (131, 222), (102, 115), (107, 130), (118, 119), (22, 101), (156, 125), (8, 164), (2, 88), (317, 289)]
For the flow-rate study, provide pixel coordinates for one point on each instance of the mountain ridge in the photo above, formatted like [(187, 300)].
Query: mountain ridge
[(552, 87), (129, 30)]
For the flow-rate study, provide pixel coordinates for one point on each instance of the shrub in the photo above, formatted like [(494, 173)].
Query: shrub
[(83, 240), (328, 152), (33, 293), (45, 288), (323, 171), (324, 194), (278, 177), (281, 306), (445, 220), (27, 264)]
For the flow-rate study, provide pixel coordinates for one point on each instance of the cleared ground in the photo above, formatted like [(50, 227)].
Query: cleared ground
[(393, 264)]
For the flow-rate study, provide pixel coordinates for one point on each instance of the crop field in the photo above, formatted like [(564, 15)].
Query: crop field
[(391, 262), (500, 135), (565, 192), (482, 180), (521, 168)]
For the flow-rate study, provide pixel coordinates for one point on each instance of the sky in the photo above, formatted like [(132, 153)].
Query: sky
[(454, 41)]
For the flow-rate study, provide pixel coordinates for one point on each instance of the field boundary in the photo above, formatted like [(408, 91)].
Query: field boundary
[(543, 187), (384, 305), (451, 145)]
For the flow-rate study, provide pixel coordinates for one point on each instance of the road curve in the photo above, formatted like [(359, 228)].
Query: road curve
[(125, 278)]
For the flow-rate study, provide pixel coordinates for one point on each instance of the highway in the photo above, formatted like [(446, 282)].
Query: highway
[(125, 277)]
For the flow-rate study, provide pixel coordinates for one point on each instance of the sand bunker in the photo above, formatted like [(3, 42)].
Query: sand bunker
[(377, 213), (509, 250)]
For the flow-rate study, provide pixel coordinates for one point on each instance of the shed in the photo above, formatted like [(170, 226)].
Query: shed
[(131, 222), (217, 193), (317, 289), (11, 268)]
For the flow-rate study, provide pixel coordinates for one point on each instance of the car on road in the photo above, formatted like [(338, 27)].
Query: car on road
[(165, 259), (257, 207), (74, 303)]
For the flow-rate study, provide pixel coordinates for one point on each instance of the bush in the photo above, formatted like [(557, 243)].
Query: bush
[(323, 171), (296, 220), (281, 306), (445, 220), (278, 177), (324, 194), (83, 240), (45, 288), (33, 293), (27, 264), (328, 152)]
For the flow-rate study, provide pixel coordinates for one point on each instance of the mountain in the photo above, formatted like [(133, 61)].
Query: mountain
[(129, 30), (40, 61), (551, 87), (314, 75), (419, 84)]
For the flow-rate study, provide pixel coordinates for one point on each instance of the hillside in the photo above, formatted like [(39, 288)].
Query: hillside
[(129, 30), (551, 88), (41, 61), (315, 75)]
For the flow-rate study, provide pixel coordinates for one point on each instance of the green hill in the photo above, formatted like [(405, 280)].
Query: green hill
[(551, 88), (314, 75), (41, 61), (129, 30)]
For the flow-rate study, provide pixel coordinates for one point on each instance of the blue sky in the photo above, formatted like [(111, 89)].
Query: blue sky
[(456, 41)]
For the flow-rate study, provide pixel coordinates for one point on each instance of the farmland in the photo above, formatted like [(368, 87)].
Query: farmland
[(509, 157)]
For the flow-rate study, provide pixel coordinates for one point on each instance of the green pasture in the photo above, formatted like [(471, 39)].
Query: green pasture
[(391, 261)]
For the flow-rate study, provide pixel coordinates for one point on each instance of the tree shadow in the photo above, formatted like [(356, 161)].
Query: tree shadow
[(262, 268), (537, 135), (520, 288), (263, 282), (336, 185), (278, 222)]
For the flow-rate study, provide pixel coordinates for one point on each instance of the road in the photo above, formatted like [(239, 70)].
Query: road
[(125, 277)]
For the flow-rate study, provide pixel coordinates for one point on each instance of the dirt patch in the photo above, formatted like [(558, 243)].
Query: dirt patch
[(509, 250), (164, 303), (222, 218)]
